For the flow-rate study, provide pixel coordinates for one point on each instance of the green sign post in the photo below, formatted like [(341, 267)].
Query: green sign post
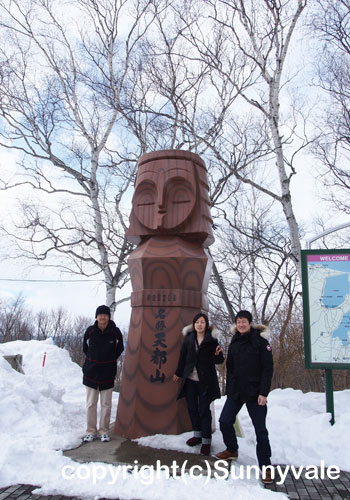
[(326, 300)]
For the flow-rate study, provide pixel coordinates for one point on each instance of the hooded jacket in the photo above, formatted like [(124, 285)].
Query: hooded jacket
[(102, 349), (249, 364), (203, 359)]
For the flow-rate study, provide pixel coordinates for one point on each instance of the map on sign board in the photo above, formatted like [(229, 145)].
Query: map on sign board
[(326, 291)]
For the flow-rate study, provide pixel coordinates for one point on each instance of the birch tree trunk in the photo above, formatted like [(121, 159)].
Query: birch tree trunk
[(263, 41), (269, 59), (60, 103)]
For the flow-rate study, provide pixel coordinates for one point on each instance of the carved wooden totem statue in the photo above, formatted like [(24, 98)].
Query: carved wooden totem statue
[(170, 268)]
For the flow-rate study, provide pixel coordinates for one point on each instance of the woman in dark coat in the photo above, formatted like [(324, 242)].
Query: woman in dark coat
[(199, 354)]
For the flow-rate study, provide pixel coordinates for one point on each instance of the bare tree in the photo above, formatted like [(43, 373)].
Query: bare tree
[(99, 100), (62, 87), (252, 257), (193, 105), (248, 47), (331, 24), (90, 86), (289, 355), (137, 75), (15, 320)]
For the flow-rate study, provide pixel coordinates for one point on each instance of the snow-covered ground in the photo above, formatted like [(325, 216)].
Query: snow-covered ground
[(43, 413)]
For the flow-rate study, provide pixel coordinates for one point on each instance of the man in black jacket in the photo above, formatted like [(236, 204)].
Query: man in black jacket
[(103, 344), (249, 373)]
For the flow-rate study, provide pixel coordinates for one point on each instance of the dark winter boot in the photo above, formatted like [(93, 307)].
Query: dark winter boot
[(193, 441), (205, 449)]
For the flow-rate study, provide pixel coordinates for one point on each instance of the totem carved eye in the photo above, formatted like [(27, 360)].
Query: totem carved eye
[(179, 202), (145, 203)]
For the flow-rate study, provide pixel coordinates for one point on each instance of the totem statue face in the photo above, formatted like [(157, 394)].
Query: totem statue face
[(171, 197), (164, 198)]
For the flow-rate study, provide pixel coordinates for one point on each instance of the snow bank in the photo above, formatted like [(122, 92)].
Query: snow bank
[(43, 412)]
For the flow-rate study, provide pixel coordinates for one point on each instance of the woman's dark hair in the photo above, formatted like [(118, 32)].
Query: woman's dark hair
[(244, 314), (201, 315)]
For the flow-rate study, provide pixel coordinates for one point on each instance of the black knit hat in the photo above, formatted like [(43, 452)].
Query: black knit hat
[(103, 310)]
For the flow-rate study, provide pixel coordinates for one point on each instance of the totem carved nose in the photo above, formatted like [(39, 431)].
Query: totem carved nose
[(161, 200)]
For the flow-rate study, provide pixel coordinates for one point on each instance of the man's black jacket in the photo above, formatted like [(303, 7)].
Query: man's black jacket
[(249, 365), (102, 349)]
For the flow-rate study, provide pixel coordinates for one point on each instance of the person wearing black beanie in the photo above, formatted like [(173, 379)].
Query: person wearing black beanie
[(102, 345), (103, 310)]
